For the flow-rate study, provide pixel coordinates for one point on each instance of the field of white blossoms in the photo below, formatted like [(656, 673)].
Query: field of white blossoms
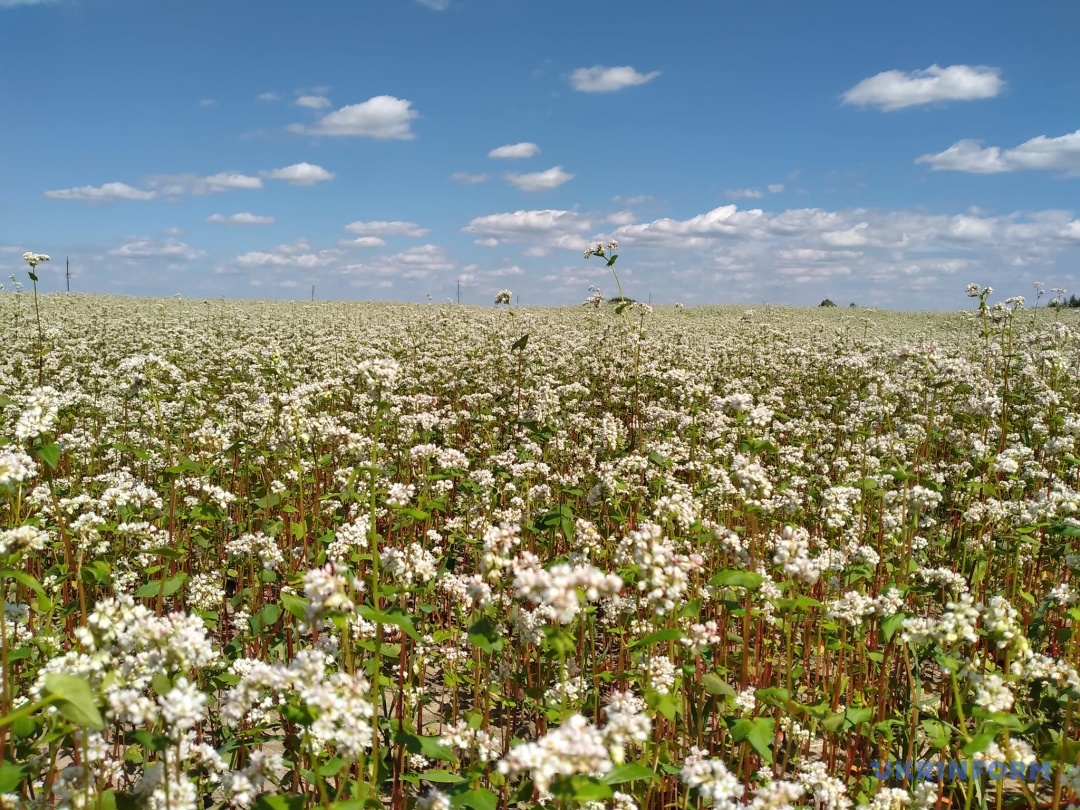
[(283, 555)]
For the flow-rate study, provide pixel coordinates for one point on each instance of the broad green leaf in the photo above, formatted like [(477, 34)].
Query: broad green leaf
[(445, 777), (628, 772), (11, 775), (395, 616), (761, 737), (893, 623), (280, 801), (737, 579), (296, 605), (715, 685), (671, 634), (978, 744), (170, 586), (50, 454), (484, 635), (429, 747), (478, 799), (74, 699)]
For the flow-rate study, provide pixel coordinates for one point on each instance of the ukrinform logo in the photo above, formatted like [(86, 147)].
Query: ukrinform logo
[(949, 770)]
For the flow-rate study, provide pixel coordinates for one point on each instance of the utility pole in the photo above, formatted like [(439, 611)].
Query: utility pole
[(313, 293), (459, 291), (67, 272)]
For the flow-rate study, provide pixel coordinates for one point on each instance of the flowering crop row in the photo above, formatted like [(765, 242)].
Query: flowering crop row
[(289, 555)]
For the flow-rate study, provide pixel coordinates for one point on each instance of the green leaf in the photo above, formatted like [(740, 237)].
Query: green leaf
[(11, 775), (445, 777), (520, 343), (484, 635), (737, 579), (161, 683), (296, 605), (280, 801), (715, 685), (628, 772), (429, 747), (267, 616), (761, 737), (893, 623), (23, 578), (659, 460), (301, 715), (978, 743), (395, 616), (153, 742), (478, 799), (580, 789), (74, 699), (774, 696), (671, 634), (663, 704), (170, 586), (857, 716), (938, 733), (50, 454)]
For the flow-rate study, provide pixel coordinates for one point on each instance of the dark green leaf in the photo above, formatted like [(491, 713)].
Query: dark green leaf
[(280, 801), (484, 635), (429, 747)]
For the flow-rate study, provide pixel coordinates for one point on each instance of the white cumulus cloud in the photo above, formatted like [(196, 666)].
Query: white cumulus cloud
[(600, 79), (470, 179), (514, 151), (299, 174), (106, 192), (383, 228), (381, 117), (540, 229), (172, 249), (541, 181), (313, 102), (174, 185), (744, 194), (363, 242), (243, 218), (1040, 153), (103, 193), (894, 89)]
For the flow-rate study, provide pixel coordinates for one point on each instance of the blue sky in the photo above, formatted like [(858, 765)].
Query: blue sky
[(776, 152)]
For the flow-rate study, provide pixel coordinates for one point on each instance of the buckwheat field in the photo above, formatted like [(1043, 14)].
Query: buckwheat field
[(289, 555)]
